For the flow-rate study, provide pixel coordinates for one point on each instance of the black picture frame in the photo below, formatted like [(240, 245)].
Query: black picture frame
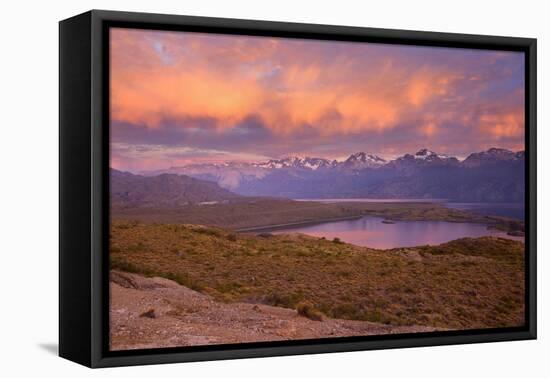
[(84, 187)]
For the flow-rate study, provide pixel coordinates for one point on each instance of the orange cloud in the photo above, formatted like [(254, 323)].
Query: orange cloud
[(428, 84), (153, 96), (160, 76), (429, 129), (504, 125)]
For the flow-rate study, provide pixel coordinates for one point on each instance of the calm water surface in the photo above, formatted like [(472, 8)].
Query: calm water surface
[(371, 232)]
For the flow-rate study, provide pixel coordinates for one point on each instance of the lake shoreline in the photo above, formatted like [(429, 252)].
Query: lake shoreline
[(274, 227), (470, 217), (366, 230)]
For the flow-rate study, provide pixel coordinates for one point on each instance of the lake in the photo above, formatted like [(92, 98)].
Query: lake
[(371, 232)]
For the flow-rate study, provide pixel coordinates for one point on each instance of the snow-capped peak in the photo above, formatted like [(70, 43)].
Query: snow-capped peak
[(363, 157), (296, 162), (424, 154)]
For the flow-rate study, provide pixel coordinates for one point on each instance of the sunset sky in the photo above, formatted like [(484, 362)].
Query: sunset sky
[(179, 98)]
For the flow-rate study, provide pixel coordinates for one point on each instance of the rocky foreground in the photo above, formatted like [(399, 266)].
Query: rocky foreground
[(159, 313)]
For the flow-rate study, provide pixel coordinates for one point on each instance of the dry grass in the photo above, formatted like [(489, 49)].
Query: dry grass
[(467, 283)]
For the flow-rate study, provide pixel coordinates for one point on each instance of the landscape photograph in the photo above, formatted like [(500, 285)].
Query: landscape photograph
[(270, 189)]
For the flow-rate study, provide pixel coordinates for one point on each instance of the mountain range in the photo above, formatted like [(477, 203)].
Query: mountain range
[(494, 175)]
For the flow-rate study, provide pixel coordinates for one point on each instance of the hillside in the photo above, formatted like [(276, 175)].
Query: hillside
[(165, 190), (144, 308), (466, 283)]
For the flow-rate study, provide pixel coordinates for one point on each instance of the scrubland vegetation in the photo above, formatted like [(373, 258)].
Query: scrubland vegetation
[(466, 283)]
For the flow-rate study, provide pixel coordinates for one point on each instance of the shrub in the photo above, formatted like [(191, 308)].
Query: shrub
[(346, 311), (265, 235), (283, 300), (232, 237), (374, 316), (207, 231), (307, 310), (229, 287), (183, 279), (337, 241), (121, 264)]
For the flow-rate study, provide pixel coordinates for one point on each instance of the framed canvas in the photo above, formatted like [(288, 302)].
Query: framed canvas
[(235, 188)]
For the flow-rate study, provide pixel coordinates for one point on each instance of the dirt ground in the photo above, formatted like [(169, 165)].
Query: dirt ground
[(159, 313)]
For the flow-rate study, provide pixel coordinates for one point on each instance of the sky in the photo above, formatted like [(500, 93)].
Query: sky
[(178, 98)]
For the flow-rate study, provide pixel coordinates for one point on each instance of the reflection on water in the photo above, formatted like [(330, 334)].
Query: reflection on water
[(371, 232)]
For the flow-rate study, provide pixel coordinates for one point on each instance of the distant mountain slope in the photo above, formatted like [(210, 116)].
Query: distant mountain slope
[(491, 156), (361, 160), (502, 182), (129, 190), (495, 175)]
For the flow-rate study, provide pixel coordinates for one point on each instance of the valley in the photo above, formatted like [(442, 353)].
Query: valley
[(204, 260), (247, 214)]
